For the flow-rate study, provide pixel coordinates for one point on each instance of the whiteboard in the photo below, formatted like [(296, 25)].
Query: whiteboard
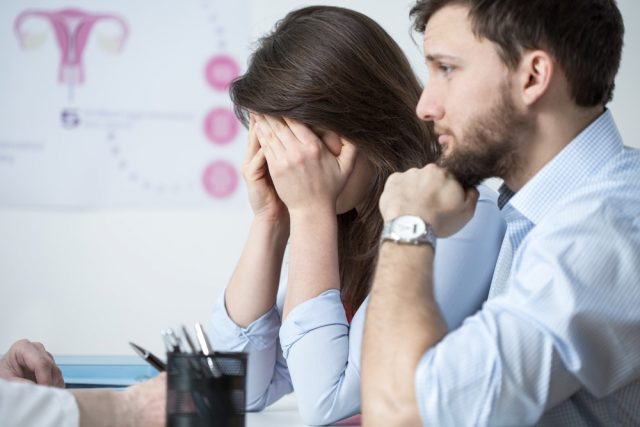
[(121, 104)]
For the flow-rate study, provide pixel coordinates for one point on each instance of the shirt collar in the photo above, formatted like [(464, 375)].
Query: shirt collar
[(580, 159)]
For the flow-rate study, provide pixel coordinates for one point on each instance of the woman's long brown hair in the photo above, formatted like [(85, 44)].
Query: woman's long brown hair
[(336, 69)]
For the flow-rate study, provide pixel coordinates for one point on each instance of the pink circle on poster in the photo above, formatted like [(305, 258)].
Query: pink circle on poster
[(220, 179), (220, 126), (220, 71)]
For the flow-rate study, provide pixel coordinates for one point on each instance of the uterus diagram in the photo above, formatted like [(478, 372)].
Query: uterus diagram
[(72, 28)]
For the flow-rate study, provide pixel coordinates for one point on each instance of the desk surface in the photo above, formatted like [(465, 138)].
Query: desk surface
[(105, 371), (284, 413)]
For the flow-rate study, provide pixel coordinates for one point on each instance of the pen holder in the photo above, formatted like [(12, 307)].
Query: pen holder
[(196, 397)]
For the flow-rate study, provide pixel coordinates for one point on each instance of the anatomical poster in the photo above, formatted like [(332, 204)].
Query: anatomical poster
[(121, 104)]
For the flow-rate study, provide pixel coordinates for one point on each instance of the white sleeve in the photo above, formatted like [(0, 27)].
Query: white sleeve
[(31, 405)]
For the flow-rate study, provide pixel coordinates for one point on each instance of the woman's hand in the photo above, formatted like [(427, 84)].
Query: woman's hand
[(307, 172), (264, 200)]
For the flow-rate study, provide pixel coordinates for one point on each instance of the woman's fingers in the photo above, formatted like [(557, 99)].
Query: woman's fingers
[(291, 134), (263, 141), (284, 138), (254, 145), (257, 166), (282, 133), (271, 145), (330, 140), (302, 133)]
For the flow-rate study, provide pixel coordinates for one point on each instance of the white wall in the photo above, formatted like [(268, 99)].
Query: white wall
[(88, 282), (626, 100)]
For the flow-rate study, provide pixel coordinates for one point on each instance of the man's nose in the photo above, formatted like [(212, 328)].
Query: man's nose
[(429, 108)]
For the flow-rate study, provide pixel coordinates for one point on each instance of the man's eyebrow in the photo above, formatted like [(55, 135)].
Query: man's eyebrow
[(431, 57)]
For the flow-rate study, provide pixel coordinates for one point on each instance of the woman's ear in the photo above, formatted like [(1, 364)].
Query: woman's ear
[(333, 142), (535, 72)]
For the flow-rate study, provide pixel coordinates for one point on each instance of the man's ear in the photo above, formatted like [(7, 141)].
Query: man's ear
[(535, 73)]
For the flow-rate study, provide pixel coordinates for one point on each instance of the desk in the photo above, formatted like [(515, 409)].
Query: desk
[(284, 413), (121, 371)]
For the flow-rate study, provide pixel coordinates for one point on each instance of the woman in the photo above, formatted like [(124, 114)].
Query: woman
[(329, 99)]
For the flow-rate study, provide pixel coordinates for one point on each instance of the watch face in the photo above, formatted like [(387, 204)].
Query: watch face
[(408, 226)]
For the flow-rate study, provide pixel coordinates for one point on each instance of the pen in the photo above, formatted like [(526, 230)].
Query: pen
[(175, 341), (206, 350), (149, 357), (187, 337)]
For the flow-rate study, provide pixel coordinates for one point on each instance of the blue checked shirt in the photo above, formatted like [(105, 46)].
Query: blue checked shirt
[(558, 341)]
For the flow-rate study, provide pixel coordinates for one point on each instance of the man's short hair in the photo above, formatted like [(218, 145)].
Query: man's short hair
[(584, 36)]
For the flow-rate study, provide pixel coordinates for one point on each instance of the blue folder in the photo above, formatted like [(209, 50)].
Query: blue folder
[(104, 371)]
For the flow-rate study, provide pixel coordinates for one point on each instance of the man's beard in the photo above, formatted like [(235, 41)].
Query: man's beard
[(489, 145)]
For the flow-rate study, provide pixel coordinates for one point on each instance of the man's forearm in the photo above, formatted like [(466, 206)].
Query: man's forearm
[(403, 321)]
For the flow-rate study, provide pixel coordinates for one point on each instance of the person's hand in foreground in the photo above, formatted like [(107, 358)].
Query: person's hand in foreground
[(30, 361)]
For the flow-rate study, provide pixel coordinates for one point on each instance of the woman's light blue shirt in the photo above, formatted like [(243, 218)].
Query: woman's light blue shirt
[(317, 353)]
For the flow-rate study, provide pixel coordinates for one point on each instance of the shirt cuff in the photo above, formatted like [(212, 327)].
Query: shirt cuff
[(324, 310), (227, 335)]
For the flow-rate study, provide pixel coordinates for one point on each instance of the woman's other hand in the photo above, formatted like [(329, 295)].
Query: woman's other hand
[(265, 202)]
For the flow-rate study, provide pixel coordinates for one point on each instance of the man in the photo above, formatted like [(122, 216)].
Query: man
[(25, 404), (517, 89)]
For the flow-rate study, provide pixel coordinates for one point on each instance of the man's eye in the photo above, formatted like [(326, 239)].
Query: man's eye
[(446, 69)]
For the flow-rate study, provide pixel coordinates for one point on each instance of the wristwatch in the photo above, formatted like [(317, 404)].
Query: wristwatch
[(409, 230)]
